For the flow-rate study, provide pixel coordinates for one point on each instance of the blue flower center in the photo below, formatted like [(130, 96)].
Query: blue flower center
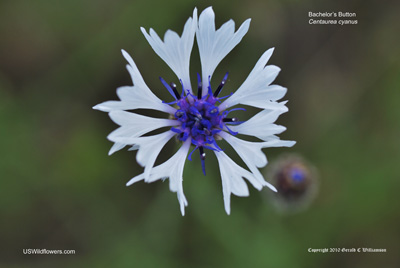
[(297, 175), (200, 118)]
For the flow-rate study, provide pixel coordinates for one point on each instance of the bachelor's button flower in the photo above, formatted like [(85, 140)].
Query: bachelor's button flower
[(200, 118)]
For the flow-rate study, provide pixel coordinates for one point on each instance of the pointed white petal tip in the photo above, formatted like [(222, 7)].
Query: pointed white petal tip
[(128, 58), (270, 186), (183, 205), (269, 52), (103, 107), (134, 179), (291, 143), (265, 57), (247, 23), (227, 207), (144, 32), (274, 69)]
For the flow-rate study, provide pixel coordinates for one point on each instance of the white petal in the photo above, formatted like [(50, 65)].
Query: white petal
[(175, 50), (172, 169), (116, 147), (148, 147), (134, 148), (261, 125), (256, 89), (138, 96), (252, 155), (134, 125), (261, 103), (269, 93), (263, 98), (215, 45), (232, 179)]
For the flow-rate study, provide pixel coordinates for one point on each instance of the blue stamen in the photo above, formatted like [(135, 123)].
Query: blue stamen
[(211, 148), (224, 97), (176, 130), (199, 87), (203, 158), (200, 118), (225, 113), (216, 93), (235, 123), (170, 103), (209, 86), (190, 155), (183, 88), (173, 86), (170, 90), (231, 131)]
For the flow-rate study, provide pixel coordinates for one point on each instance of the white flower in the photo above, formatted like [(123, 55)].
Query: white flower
[(199, 118)]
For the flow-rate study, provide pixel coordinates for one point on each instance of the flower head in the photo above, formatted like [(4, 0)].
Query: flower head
[(200, 117), (297, 183)]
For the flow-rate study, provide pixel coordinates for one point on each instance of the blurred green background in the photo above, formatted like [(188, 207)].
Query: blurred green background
[(60, 190)]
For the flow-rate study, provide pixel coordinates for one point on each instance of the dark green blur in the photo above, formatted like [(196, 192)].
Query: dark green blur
[(60, 190)]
